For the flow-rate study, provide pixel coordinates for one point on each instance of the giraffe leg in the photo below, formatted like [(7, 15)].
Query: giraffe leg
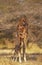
[(20, 58), (15, 54), (15, 59), (25, 57)]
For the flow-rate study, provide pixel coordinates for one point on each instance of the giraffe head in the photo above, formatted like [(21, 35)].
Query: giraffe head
[(22, 19)]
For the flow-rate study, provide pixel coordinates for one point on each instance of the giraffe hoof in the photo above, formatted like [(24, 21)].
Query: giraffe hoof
[(20, 61), (25, 59)]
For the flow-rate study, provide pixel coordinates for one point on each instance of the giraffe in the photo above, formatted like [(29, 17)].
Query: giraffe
[(22, 33)]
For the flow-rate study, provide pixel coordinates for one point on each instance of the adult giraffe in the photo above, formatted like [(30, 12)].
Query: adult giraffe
[(22, 33)]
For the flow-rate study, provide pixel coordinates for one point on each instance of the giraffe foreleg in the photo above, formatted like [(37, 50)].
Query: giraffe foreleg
[(20, 58), (24, 55)]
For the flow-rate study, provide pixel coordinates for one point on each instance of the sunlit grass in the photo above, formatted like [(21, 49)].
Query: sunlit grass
[(33, 48)]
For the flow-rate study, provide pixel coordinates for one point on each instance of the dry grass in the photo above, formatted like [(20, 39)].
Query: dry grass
[(33, 48), (7, 61)]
